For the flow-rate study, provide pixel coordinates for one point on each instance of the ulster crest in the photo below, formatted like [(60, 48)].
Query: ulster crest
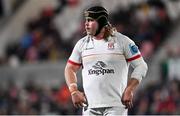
[(110, 45)]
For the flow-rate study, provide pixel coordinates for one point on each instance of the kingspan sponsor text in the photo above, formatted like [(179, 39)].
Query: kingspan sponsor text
[(100, 71)]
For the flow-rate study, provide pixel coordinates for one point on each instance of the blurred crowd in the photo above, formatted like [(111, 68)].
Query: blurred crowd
[(170, 64), (42, 41), (161, 98), (146, 23), (34, 99)]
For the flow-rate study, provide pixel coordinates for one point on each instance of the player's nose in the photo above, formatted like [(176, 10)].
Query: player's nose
[(86, 23)]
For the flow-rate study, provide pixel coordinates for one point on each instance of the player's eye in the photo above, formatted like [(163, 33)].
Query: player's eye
[(88, 19)]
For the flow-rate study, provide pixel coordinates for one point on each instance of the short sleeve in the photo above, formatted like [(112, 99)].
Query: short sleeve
[(131, 50), (75, 57)]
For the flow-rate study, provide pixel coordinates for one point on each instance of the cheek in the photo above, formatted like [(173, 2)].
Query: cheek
[(94, 25)]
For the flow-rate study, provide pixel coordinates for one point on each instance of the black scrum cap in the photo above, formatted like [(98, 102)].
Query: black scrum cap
[(99, 14)]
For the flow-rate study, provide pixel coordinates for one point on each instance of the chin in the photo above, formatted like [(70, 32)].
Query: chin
[(89, 33)]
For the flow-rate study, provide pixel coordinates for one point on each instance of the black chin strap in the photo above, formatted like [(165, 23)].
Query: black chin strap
[(98, 31)]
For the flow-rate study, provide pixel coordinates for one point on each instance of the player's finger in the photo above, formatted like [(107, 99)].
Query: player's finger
[(85, 104), (123, 101), (131, 104), (84, 100), (127, 104), (81, 105), (76, 105)]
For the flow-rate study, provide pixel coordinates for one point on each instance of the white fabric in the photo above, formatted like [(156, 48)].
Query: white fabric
[(105, 111), (105, 69)]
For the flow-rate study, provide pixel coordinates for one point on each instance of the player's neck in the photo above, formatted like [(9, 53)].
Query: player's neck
[(100, 36)]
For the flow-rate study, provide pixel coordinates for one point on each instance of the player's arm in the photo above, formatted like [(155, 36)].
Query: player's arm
[(140, 69), (128, 93), (133, 56), (70, 73), (78, 97)]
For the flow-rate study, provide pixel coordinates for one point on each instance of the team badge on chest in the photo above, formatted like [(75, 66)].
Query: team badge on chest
[(110, 45)]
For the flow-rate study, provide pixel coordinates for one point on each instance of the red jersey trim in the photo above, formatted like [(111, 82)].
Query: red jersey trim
[(133, 58), (74, 63)]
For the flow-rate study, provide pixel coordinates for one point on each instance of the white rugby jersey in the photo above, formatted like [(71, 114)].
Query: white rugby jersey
[(105, 68)]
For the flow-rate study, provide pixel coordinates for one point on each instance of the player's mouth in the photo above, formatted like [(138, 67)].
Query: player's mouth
[(87, 28)]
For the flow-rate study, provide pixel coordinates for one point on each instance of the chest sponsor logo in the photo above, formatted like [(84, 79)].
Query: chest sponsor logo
[(100, 68)]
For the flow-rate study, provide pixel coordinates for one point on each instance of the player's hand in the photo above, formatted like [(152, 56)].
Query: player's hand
[(78, 99), (127, 98)]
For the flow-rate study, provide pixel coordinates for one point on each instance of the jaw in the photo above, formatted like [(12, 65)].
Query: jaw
[(90, 32)]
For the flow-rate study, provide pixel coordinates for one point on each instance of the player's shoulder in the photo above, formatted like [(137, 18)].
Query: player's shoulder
[(83, 39), (122, 38), (81, 42)]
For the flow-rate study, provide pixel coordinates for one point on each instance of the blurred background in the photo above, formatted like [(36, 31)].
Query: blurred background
[(37, 37)]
